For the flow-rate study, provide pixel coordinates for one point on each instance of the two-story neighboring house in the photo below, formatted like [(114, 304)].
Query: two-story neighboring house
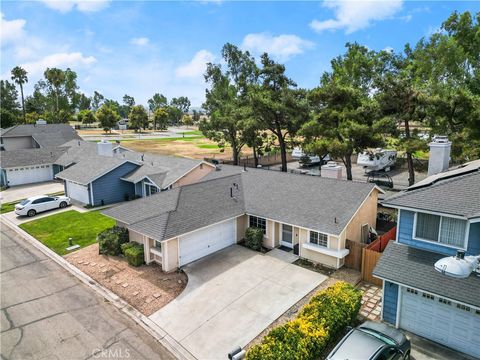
[(436, 217)]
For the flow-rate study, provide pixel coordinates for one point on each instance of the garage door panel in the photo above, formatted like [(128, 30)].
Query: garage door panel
[(78, 192), (444, 323), (206, 241), (29, 175)]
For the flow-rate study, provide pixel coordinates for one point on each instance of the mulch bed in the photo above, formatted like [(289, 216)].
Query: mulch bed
[(147, 288)]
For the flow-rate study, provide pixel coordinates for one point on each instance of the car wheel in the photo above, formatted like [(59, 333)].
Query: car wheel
[(63, 204), (31, 213)]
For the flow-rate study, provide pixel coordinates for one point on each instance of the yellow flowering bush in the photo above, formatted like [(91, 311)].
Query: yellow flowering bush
[(321, 320)]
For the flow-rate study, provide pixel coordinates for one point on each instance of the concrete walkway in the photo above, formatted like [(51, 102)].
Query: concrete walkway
[(25, 191), (231, 297)]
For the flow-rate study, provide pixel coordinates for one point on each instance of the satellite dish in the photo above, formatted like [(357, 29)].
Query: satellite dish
[(459, 266)]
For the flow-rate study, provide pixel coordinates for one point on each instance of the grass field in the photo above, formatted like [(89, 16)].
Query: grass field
[(54, 231)]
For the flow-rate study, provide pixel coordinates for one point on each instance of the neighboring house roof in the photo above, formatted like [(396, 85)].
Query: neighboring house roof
[(86, 171), (415, 268), (458, 195), (45, 135), (155, 173), (76, 151), (320, 204), (29, 157)]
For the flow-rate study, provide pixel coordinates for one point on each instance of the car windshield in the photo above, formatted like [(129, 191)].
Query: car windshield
[(24, 202), (387, 340)]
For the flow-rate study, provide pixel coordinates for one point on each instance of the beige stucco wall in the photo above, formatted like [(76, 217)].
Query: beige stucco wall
[(242, 223), (135, 236), (268, 240), (195, 175), (314, 256), (21, 142), (366, 214), (170, 255), (276, 238)]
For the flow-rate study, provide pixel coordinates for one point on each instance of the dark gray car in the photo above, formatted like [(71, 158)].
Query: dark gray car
[(372, 341)]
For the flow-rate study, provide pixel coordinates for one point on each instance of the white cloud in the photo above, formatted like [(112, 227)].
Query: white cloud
[(11, 30), (86, 6), (356, 15), (197, 66), (60, 60), (282, 47), (141, 41)]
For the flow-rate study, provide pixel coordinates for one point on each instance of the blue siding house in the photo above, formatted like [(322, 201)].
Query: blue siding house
[(436, 218), (109, 188)]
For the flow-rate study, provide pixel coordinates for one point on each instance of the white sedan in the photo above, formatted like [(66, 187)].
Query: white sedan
[(37, 204)]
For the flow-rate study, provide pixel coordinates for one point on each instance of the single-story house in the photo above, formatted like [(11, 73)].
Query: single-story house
[(436, 217), (314, 215), (40, 135), (106, 176)]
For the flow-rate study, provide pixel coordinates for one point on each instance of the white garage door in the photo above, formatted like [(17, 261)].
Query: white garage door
[(206, 241), (29, 174), (78, 192), (440, 320)]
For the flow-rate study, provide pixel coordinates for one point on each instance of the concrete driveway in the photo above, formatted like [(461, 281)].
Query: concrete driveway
[(230, 298), (18, 220), (25, 191)]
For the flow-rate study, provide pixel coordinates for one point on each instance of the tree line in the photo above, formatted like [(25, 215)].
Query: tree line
[(56, 98), (368, 99)]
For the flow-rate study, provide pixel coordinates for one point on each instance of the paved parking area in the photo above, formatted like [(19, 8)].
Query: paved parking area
[(231, 297), (24, 191), (46, 313)]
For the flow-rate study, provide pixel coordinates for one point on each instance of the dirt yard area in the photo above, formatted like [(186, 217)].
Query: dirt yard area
[(146, 288), (197, 148)]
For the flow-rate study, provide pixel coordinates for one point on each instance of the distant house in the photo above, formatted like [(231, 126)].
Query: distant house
[(436, 217), (313, 215), (107, 173), (32, 136)]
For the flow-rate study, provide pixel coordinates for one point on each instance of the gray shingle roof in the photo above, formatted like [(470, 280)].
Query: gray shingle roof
[(415, 268), (156, 173), (89, 169), (45, 135), (310, 202), (459, 195), (28, 157)]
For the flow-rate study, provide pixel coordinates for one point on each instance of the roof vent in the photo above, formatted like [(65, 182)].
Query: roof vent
[(459, 266)]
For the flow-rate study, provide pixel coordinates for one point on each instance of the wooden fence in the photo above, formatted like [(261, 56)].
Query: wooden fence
[(354, 259), (372, 253)]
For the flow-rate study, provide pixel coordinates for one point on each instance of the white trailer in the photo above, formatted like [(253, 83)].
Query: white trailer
[(378, 159)]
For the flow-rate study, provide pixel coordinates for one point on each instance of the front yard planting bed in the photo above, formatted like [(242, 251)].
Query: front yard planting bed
[(147, 288), (54, 231)]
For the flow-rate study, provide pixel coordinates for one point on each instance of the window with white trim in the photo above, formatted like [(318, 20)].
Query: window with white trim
[(318, 238), (258, 222), (158, 245), (441, 229)]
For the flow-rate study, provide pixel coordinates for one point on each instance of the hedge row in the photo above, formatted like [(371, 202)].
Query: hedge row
[(254, 238), (111, 240), (318, 323), (134, 253)]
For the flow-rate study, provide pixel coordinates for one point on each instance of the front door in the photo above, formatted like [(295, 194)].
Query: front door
[(287, 236)]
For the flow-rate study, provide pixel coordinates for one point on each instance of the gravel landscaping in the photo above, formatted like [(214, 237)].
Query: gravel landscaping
[(147, 288)]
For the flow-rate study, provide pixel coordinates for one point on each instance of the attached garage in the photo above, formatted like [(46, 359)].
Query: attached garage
[(446, 322), (29, 174), (77, 192), (206, 241)]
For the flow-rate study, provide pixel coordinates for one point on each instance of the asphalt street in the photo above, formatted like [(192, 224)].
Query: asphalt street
[(46, 313)]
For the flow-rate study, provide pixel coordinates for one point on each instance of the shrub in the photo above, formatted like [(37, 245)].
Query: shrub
[(134, 253), (318, 323), (254, 238), (111, 240)]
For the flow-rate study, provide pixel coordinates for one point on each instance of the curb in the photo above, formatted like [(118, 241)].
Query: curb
[(148, 325)]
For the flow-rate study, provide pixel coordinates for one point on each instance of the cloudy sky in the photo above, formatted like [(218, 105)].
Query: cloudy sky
[(139, 48)]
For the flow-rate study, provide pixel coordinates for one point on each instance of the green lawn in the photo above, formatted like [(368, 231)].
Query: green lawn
[(208, 146), (54, 230)]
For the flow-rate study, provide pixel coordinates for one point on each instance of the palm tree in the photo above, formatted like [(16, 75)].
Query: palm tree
[(56, 78), (19, 76)]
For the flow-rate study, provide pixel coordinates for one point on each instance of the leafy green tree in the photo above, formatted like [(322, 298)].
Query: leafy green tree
[(19, 76), (279, 106), (157, 101), (196, 116), (32, 117), (182, 103), (160, 119), (97, 100), (138, 117), (7, 118), (187, 120), (87, 117), (8, 97), (227, 103), (108, 117), (55, 78), (174, 115), (84, 102)]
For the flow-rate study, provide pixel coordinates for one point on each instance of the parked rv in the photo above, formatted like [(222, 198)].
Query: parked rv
[(378, 159), (308, 159)]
